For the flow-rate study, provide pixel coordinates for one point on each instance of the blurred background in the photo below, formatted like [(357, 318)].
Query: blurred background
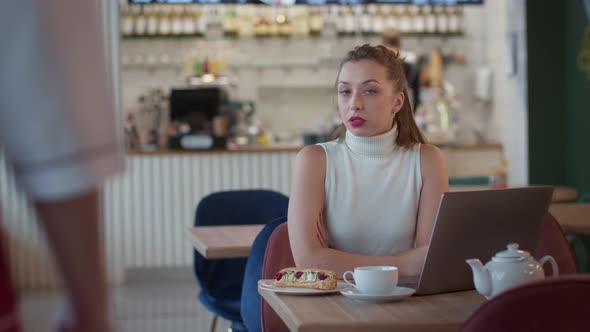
[(220, 95)]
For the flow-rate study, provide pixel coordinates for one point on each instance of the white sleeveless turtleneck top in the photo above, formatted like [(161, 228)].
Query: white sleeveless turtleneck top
[(372, 192)]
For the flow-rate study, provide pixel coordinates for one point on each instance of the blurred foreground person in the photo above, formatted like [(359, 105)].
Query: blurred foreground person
[(57, 130)]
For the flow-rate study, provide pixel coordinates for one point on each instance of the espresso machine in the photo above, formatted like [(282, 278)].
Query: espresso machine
[(198, 117)]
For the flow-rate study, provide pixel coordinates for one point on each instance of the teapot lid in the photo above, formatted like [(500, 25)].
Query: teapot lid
[(513, 252)]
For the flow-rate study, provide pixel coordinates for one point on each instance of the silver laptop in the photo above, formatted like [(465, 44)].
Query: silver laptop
[(478, 224)]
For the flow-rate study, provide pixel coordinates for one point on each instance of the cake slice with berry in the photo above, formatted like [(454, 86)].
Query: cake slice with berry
[(306, 278)]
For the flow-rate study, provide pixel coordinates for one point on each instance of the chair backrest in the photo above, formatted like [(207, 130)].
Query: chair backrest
[(554, 243), (250, 306), (222, 278), (240, 207), (278, 256), (552, 304)]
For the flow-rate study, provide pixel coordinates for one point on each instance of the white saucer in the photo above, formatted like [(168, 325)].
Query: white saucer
[(397, 294)]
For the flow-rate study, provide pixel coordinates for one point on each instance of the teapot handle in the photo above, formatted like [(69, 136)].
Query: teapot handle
[(554, 267)]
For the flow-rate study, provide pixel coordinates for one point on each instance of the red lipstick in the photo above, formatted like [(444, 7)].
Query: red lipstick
[(356, 121)]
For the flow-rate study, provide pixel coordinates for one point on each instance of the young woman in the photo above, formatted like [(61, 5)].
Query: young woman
[(370, 197)]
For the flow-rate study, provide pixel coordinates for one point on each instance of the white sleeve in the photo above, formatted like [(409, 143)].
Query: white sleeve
[(57, 114)]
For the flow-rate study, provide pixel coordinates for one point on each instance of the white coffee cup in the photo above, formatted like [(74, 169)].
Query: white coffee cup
[(374, 280)]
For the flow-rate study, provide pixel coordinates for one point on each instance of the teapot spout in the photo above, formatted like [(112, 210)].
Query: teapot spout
[(481, 277)]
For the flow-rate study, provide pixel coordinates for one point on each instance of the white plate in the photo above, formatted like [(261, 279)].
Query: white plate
[(398, 293), (269, 284)]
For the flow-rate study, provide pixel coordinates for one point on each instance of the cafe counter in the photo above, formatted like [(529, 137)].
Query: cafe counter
[(463, 160)]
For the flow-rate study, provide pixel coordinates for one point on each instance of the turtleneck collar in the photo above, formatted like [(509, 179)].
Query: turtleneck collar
[(374, 145)]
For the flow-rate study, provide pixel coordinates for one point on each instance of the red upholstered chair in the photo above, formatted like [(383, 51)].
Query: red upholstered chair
[(278, 256), (552, 304), (553, 242)]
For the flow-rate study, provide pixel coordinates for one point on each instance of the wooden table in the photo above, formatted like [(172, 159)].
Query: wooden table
[(214, 242), (235, 241), (574, 217), (560, 194), (564, 194), (337, 313), (468, 188)]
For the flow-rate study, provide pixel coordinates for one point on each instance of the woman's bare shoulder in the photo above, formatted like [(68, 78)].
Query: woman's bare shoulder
[(430, 152), (311, 156), (432, 159)]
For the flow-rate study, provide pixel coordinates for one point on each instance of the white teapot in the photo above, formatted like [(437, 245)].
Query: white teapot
[(507, 269)]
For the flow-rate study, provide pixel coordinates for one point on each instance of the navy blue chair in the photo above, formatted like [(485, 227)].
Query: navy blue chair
[(251, 300), (220, 280)]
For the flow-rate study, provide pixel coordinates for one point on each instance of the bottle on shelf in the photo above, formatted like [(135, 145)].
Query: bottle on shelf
[(338, 11), (221, 61), (127, 21), (151, 19), (430, 20), (197, 67), (206, 66), (365, 18), (329, 23), (273, 26), (267, 23), (258, 30), (214, 66), (284, 24), (378, 20), (245, 21), (300, 22), (200, 22), (176, 21), (188, 22), (351, 24), (455, 19), (442, 20), (140, 22), (316, 23), (214, 15), (406, 19), (262, 25), (229, 22), (165, 22), (418, 19), (392, 18)]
